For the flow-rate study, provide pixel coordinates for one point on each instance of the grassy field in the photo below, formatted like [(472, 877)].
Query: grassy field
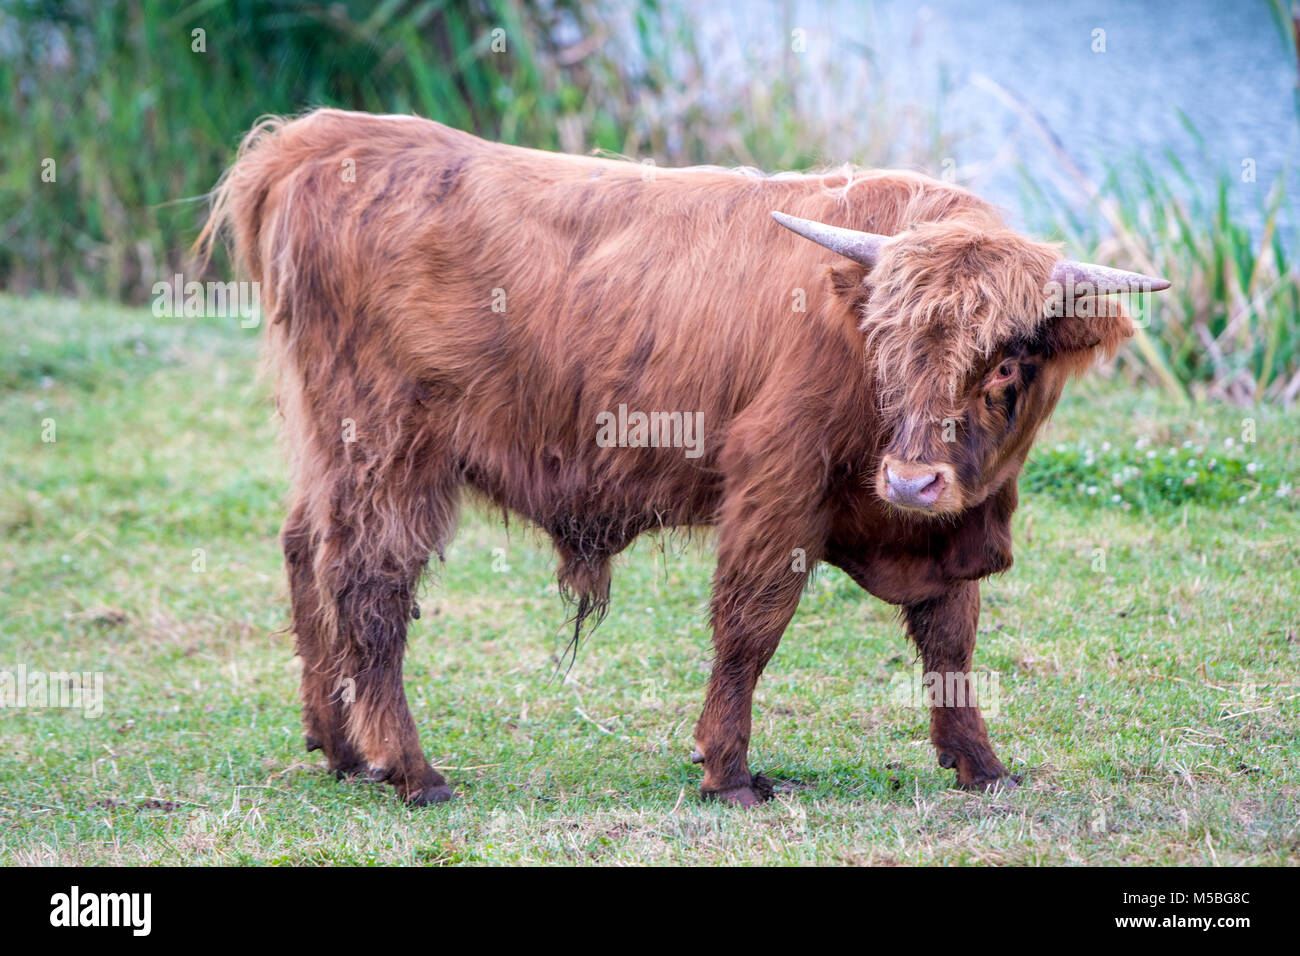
[(1146, 651)]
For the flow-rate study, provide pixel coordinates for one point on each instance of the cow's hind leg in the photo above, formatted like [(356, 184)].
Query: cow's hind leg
[(374, 609), (944, 631), (322, 691), (376, 601), (369, 560)]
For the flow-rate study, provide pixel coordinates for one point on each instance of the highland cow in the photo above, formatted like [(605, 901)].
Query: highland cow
[(867, 373)]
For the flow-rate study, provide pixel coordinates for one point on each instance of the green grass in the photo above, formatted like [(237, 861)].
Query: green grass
[(1146, 656)]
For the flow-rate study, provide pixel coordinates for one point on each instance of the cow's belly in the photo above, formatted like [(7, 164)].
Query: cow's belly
[(597, 515)]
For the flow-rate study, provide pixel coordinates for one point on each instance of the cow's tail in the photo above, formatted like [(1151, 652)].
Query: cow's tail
[(238, 202), (258, 209), (360, 526)]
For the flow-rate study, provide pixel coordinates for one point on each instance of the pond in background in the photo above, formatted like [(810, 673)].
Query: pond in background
[(1225, 66)]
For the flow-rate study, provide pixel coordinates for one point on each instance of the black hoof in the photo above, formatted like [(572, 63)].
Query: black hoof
[(1004, 783), (350, 771), (759, 790), (436, 794)]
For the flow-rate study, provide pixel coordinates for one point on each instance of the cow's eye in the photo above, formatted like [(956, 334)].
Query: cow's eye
[(1004, 374)]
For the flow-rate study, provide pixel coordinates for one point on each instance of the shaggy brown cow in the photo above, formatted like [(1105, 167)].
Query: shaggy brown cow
[(446, 313)]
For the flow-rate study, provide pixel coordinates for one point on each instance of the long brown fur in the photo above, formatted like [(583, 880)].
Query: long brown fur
[(658, 289)]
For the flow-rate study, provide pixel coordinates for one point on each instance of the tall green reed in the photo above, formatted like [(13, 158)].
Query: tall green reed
[(139, 113)]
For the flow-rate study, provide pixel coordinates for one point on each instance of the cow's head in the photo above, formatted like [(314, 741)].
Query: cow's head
[(972, 331)]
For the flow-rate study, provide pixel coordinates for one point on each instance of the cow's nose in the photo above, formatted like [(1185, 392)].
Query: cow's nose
[(913, 487)]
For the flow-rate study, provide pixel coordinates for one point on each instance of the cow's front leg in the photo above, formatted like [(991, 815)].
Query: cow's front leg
[(752, 604), (944, 631)]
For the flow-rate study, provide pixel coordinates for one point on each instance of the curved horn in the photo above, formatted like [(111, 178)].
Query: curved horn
[(1105, 280), (863, 247)]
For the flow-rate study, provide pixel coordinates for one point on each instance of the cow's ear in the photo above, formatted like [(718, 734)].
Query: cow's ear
[(848, 281), (1096, 323), (1071, 333)]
